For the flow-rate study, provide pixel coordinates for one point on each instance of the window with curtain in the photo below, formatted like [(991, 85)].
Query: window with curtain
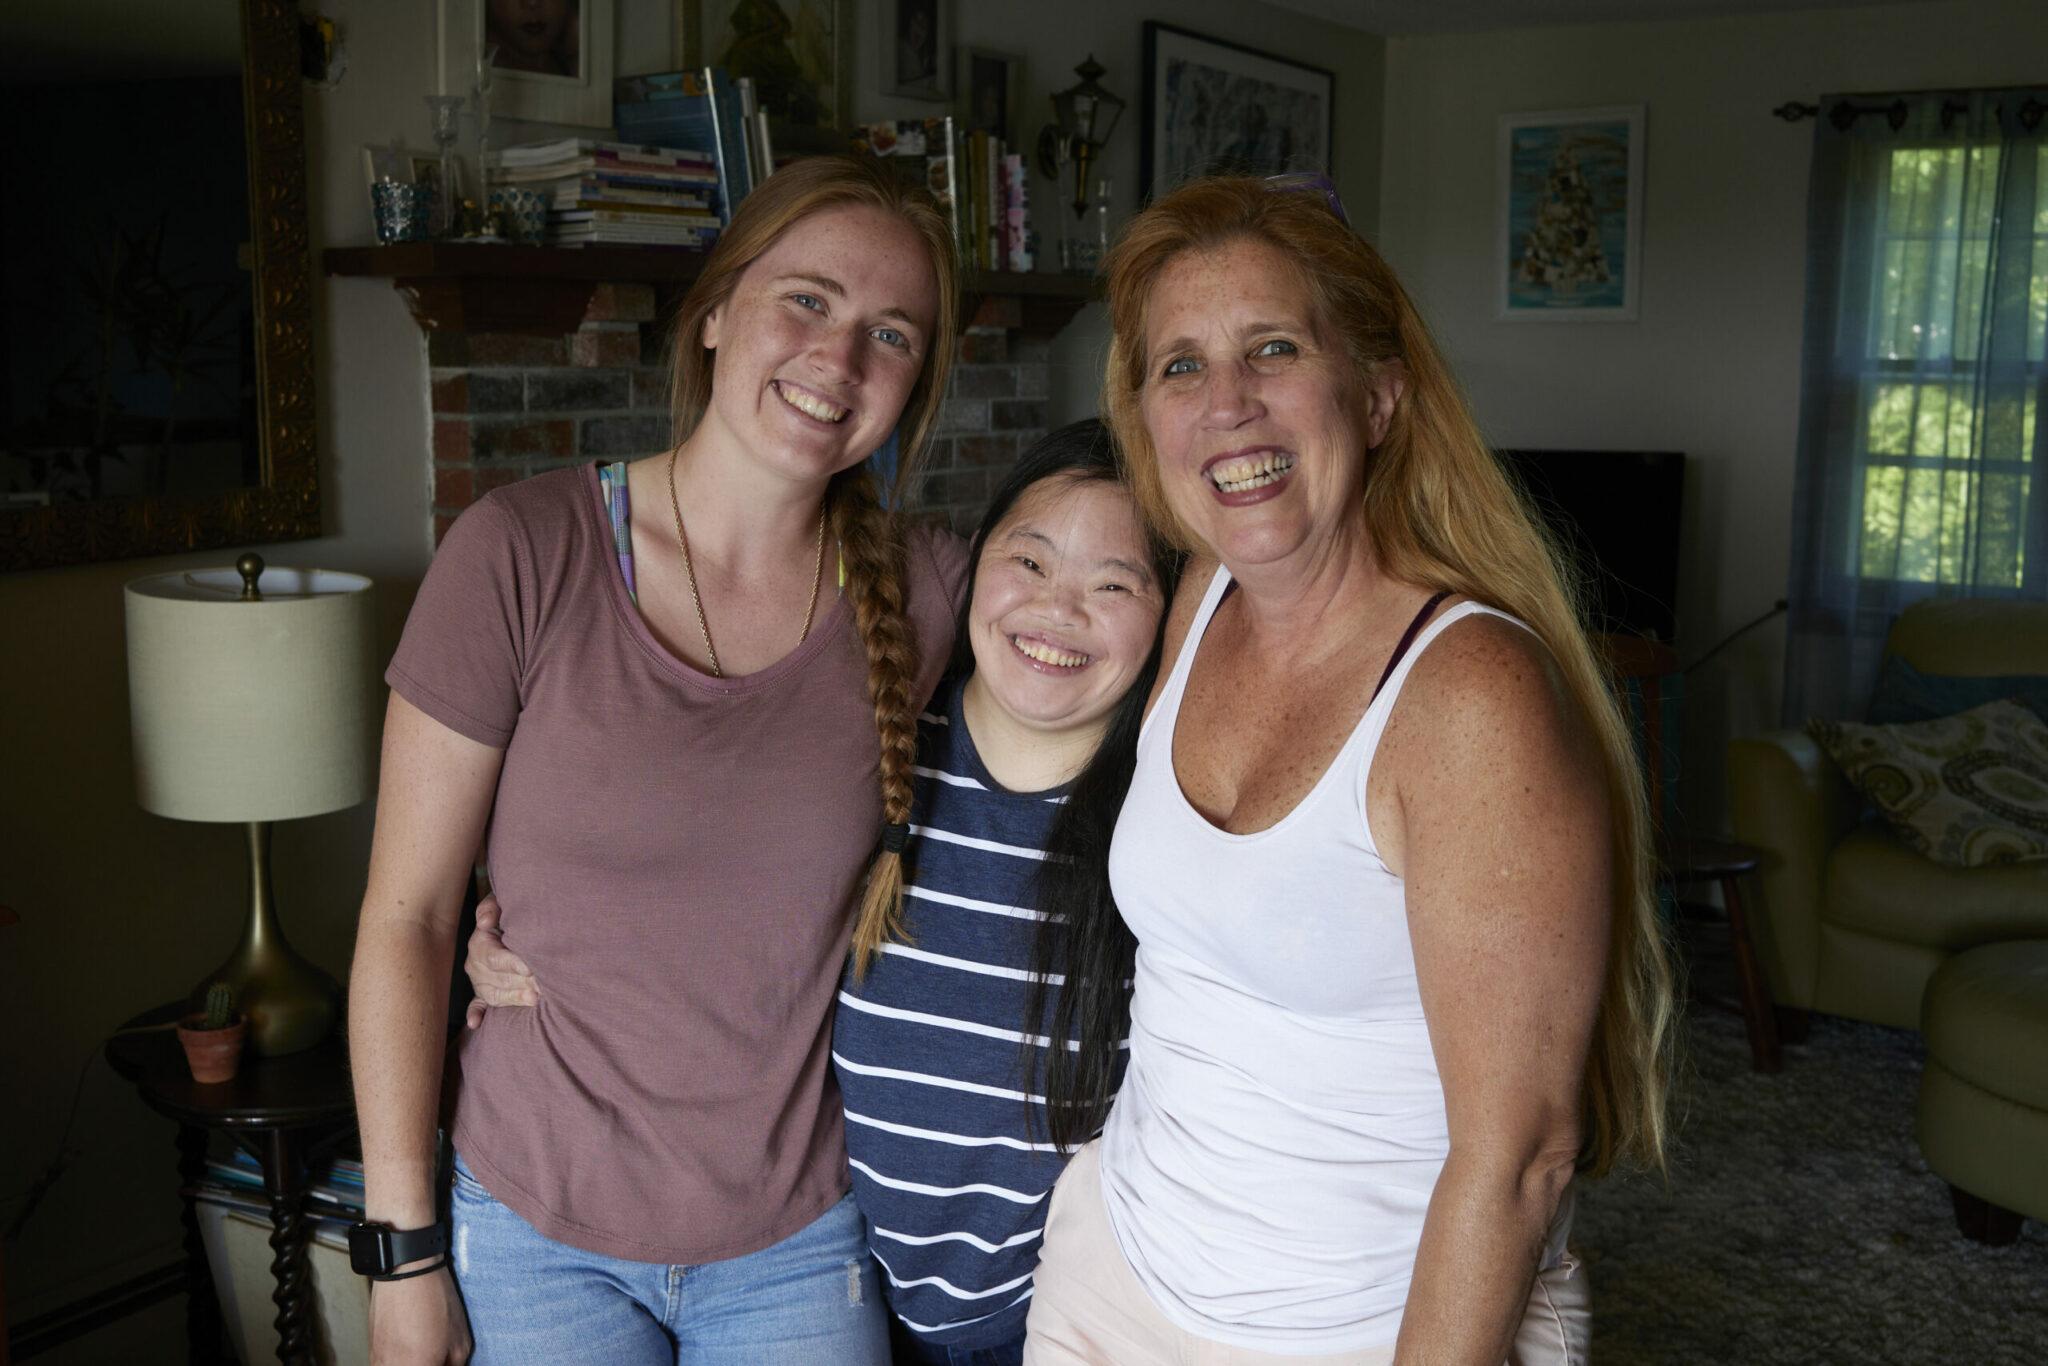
[(1921, 467)]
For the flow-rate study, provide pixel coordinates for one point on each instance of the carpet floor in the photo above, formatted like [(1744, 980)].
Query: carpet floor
[(1800, 1225)]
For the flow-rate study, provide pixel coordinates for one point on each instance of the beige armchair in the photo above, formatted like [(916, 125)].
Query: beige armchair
[(1853, 922)]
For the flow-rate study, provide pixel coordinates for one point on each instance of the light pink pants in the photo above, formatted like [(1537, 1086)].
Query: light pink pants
[(1089, 1308)]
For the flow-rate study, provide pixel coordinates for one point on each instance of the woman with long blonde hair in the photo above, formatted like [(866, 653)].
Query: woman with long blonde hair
[(681, 695), (1399, 974)]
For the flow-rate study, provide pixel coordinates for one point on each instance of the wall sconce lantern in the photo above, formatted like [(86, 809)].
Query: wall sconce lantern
[(1086, 116)]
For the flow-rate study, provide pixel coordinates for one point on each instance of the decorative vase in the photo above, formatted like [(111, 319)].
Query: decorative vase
[(523, 214), (401, 212), (213, 1054)]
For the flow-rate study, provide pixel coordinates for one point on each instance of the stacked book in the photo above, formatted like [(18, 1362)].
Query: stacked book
[(616, 192), (977, 181), (702, 108), (334, 1196)]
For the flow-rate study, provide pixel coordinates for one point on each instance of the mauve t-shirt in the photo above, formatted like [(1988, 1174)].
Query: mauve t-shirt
[(678, 858)]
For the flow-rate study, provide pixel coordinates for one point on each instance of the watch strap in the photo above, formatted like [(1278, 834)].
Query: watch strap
[(426, 1270), (409, 1245), (378, 1250)]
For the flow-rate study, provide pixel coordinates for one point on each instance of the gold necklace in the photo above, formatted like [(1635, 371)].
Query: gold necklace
[(690, 573)]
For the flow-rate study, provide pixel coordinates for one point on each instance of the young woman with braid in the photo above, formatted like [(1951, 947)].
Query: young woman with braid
[(943, 1043), (661, 689)]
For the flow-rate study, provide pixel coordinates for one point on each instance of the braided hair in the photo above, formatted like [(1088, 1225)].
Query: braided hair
[(870, 538)]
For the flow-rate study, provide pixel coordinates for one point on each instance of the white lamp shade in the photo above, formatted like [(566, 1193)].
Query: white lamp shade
[(251, 711)]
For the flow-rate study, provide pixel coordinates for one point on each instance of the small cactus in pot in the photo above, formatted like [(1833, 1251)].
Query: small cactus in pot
[(220, 1006), (213, 1037)]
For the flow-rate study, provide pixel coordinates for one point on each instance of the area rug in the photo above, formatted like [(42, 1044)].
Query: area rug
[(1800, 1224)]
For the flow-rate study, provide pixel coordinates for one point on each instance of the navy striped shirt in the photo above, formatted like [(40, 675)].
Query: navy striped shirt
[(951, 1163)]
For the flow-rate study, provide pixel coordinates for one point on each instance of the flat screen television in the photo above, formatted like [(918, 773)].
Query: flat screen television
[(1617, 512)]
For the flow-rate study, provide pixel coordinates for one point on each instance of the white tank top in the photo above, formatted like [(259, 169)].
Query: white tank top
[(1271, 1153)]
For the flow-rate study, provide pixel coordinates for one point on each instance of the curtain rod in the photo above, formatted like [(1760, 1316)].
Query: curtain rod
[(1843, 113)]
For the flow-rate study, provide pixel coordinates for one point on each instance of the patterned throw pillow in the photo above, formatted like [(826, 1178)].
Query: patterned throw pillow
[(1966, 790)]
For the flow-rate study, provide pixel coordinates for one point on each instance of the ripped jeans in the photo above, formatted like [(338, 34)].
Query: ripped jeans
[(808, 1299)]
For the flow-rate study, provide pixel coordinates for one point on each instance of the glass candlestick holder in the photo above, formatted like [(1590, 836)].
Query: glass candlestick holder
[(447, 129)]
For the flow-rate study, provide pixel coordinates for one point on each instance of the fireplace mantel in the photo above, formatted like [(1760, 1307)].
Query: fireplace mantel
[(464, 287)]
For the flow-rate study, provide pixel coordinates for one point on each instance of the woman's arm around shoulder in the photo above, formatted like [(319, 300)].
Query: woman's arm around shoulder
[(942, 553), (1499, 827)]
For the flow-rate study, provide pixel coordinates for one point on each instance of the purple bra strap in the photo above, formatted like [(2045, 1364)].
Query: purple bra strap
[(1407, 639)]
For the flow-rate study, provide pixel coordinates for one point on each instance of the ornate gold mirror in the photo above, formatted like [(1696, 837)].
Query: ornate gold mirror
[(156, 360)]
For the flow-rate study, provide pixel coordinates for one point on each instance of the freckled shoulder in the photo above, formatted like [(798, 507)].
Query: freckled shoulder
[(1483, 739), (1486, 691)]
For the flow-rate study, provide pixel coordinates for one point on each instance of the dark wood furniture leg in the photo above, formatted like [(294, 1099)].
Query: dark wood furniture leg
[(284, 1180), (202, 1307), (1759, 1017), (1983, 1222), (1794, 1024)]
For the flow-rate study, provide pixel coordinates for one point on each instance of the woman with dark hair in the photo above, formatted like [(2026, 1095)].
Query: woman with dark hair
[(1385, 848), (681, 695), (945, 1033)]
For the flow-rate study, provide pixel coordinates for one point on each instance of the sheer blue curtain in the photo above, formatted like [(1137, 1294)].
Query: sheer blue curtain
[(1921, 450)]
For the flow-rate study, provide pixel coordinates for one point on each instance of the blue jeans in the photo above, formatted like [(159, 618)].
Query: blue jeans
[(810, 1298)]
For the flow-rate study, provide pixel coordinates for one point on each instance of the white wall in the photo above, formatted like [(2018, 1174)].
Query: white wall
[(1712, 368), (121, 910), (1053, 36)]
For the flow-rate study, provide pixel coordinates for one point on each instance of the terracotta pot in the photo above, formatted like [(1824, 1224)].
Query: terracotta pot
[(213, 1054)]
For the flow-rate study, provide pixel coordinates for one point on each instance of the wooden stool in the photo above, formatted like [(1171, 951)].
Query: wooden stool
[(1680, 861)]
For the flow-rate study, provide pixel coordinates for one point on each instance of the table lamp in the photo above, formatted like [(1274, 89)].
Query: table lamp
[(252, 695)]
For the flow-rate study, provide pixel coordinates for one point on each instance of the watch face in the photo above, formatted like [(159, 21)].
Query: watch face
[(369, 1249)]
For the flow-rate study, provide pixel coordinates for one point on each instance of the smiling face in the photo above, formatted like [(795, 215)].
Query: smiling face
[(1065, 605), (1256, 414), (822, 340)]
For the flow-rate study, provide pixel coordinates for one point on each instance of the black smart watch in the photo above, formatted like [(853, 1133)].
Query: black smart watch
[(378, 1250)]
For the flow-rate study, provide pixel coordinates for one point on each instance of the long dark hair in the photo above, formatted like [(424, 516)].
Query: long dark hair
[(1082, 942)]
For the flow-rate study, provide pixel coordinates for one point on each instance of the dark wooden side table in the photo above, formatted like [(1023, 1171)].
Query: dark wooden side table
[(286, 1112), (1726, 862)]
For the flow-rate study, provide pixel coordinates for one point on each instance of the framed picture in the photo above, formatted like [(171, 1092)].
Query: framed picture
[(990, 83), (550, 60), (918, 51), (426, 170), (796, 51), (1569, 240), (1215, 107)]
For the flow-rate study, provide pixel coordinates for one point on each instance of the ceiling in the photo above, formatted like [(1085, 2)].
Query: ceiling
[(1466, 16)]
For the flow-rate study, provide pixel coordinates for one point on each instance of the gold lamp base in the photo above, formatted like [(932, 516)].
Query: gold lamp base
[(290, 1004)]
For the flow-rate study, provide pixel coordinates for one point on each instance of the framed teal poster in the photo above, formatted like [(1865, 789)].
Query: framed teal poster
[(1569, 246)]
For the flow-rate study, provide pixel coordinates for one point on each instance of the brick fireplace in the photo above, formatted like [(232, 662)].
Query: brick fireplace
[(532, 371)]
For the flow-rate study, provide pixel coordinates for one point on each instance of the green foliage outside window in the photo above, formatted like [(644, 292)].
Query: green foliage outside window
[(1948, 448)]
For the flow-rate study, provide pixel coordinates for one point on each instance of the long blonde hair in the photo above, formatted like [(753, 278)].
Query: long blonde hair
[(870, 539), (1443, 515)]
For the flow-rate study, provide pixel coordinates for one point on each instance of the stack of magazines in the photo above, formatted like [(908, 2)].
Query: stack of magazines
[(616, 192), (334, 1194), (701, 108)]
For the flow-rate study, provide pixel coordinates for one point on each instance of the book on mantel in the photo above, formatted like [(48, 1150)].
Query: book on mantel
[(704, 108), (617, 192)]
